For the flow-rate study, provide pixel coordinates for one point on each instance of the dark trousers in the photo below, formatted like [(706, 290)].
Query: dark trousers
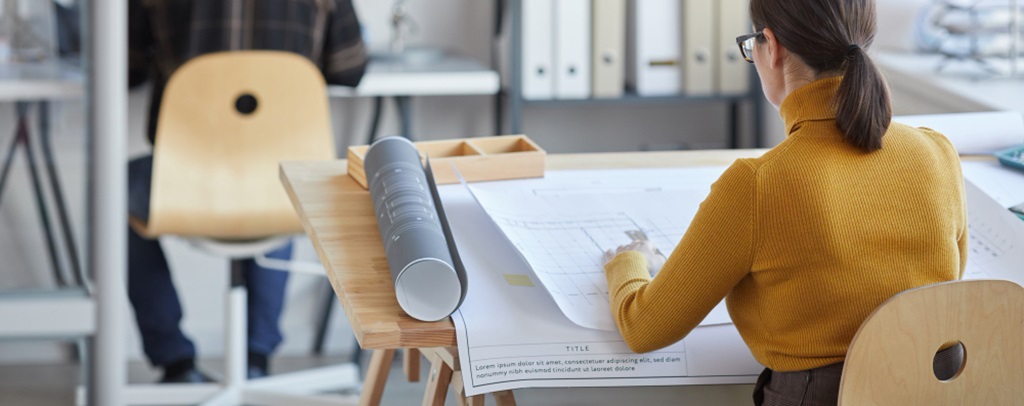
[(155, 300), (820, 386)]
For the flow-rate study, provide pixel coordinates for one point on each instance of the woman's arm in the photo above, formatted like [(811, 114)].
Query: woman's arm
[(714, 255)]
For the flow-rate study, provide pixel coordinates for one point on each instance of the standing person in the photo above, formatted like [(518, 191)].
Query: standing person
[(163, 35), (807, 240)]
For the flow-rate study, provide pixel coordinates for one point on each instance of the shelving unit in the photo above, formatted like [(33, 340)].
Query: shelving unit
[(516, 103), (67, 312), (97, 321)]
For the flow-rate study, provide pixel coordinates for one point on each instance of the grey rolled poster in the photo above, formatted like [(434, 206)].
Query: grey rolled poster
[(430, 281)]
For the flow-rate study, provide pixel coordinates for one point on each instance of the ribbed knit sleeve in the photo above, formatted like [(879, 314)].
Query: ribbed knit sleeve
[(713, 256)]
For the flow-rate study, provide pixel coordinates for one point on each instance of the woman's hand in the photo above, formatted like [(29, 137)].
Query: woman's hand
[(654, 258)]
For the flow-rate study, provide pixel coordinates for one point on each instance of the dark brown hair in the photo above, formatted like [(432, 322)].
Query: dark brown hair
[(833, 36)]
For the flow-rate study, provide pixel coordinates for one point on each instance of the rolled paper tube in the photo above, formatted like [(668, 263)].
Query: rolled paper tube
[(427, 284)]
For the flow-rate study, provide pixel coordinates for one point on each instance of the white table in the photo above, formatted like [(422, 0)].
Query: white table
[(441, 74), (41, 81), (959, 87), (421, 72)]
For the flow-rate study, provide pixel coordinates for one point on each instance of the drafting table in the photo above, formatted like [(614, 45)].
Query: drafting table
[(337, 214)]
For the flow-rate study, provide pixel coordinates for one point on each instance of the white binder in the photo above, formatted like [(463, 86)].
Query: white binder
[(608, 59), (653, 67), (733, 73), (698, 47), (572, 49), (538, 50)]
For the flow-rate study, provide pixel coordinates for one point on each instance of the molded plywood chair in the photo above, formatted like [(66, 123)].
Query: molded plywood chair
[(226, 122), (890, 359)]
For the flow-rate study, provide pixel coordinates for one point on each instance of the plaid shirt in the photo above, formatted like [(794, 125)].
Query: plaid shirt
[(164, 34)]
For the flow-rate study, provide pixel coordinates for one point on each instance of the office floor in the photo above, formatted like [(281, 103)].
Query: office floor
[(53, 385)]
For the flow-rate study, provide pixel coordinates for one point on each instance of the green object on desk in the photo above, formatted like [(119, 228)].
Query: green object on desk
[(1012, 158)]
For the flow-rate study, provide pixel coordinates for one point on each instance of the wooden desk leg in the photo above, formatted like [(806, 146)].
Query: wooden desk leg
[(376, 377), (411, 364), (460, 392), (437, 383), (504, 398)]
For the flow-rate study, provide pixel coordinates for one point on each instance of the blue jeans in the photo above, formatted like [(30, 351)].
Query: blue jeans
[(152, 294)]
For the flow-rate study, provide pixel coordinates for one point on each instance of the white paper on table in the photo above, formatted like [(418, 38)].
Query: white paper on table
[(512, 335), (1003, 184), (996, 239), (974, 133), (562, 224)]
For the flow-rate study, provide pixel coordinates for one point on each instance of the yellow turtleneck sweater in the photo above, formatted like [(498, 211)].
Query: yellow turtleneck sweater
[(805, 241)]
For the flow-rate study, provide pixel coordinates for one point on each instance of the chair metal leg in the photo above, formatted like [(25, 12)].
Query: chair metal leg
[(378, 104), (404, 104), (235, 338), (325, 318)]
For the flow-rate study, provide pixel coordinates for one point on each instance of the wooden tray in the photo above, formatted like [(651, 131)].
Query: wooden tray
[(477, 159)]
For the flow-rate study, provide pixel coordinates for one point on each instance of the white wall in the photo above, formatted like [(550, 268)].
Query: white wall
[(896, 24), (463, 26)]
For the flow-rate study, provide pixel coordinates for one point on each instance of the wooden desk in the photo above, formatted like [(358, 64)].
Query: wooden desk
[(337, 214)]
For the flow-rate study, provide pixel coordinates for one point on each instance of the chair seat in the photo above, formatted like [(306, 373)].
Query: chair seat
[(233, 248)]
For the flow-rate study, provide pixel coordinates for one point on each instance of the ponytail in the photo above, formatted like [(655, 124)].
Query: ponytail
[(863, 108), (820, 33)]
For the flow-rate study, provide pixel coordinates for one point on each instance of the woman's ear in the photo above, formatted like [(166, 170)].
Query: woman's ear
[(773, 48)]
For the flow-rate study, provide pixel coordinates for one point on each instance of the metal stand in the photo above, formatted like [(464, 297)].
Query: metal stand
[(1015, 30), (23, 140), (404, 107)]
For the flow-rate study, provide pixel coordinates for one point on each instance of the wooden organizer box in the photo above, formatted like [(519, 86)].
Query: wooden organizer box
[(477, 159)]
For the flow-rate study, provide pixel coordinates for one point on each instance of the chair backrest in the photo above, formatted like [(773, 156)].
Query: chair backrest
[(890, 359), (215, 168)]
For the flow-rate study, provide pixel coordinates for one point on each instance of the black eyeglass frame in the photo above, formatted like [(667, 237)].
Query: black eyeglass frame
[(740, 40)]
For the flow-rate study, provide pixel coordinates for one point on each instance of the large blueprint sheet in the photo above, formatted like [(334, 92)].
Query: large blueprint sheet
[(562, 224), (512, 335)]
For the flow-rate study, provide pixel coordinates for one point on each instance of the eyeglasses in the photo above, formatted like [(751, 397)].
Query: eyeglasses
[(746, 44)]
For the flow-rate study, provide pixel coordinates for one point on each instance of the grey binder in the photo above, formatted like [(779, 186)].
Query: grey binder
[(430, 281)]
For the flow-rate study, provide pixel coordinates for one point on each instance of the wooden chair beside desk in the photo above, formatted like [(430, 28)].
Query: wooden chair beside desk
[(337, 214)]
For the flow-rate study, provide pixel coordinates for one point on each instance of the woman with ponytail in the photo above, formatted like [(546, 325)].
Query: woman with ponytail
[(807, 240)]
